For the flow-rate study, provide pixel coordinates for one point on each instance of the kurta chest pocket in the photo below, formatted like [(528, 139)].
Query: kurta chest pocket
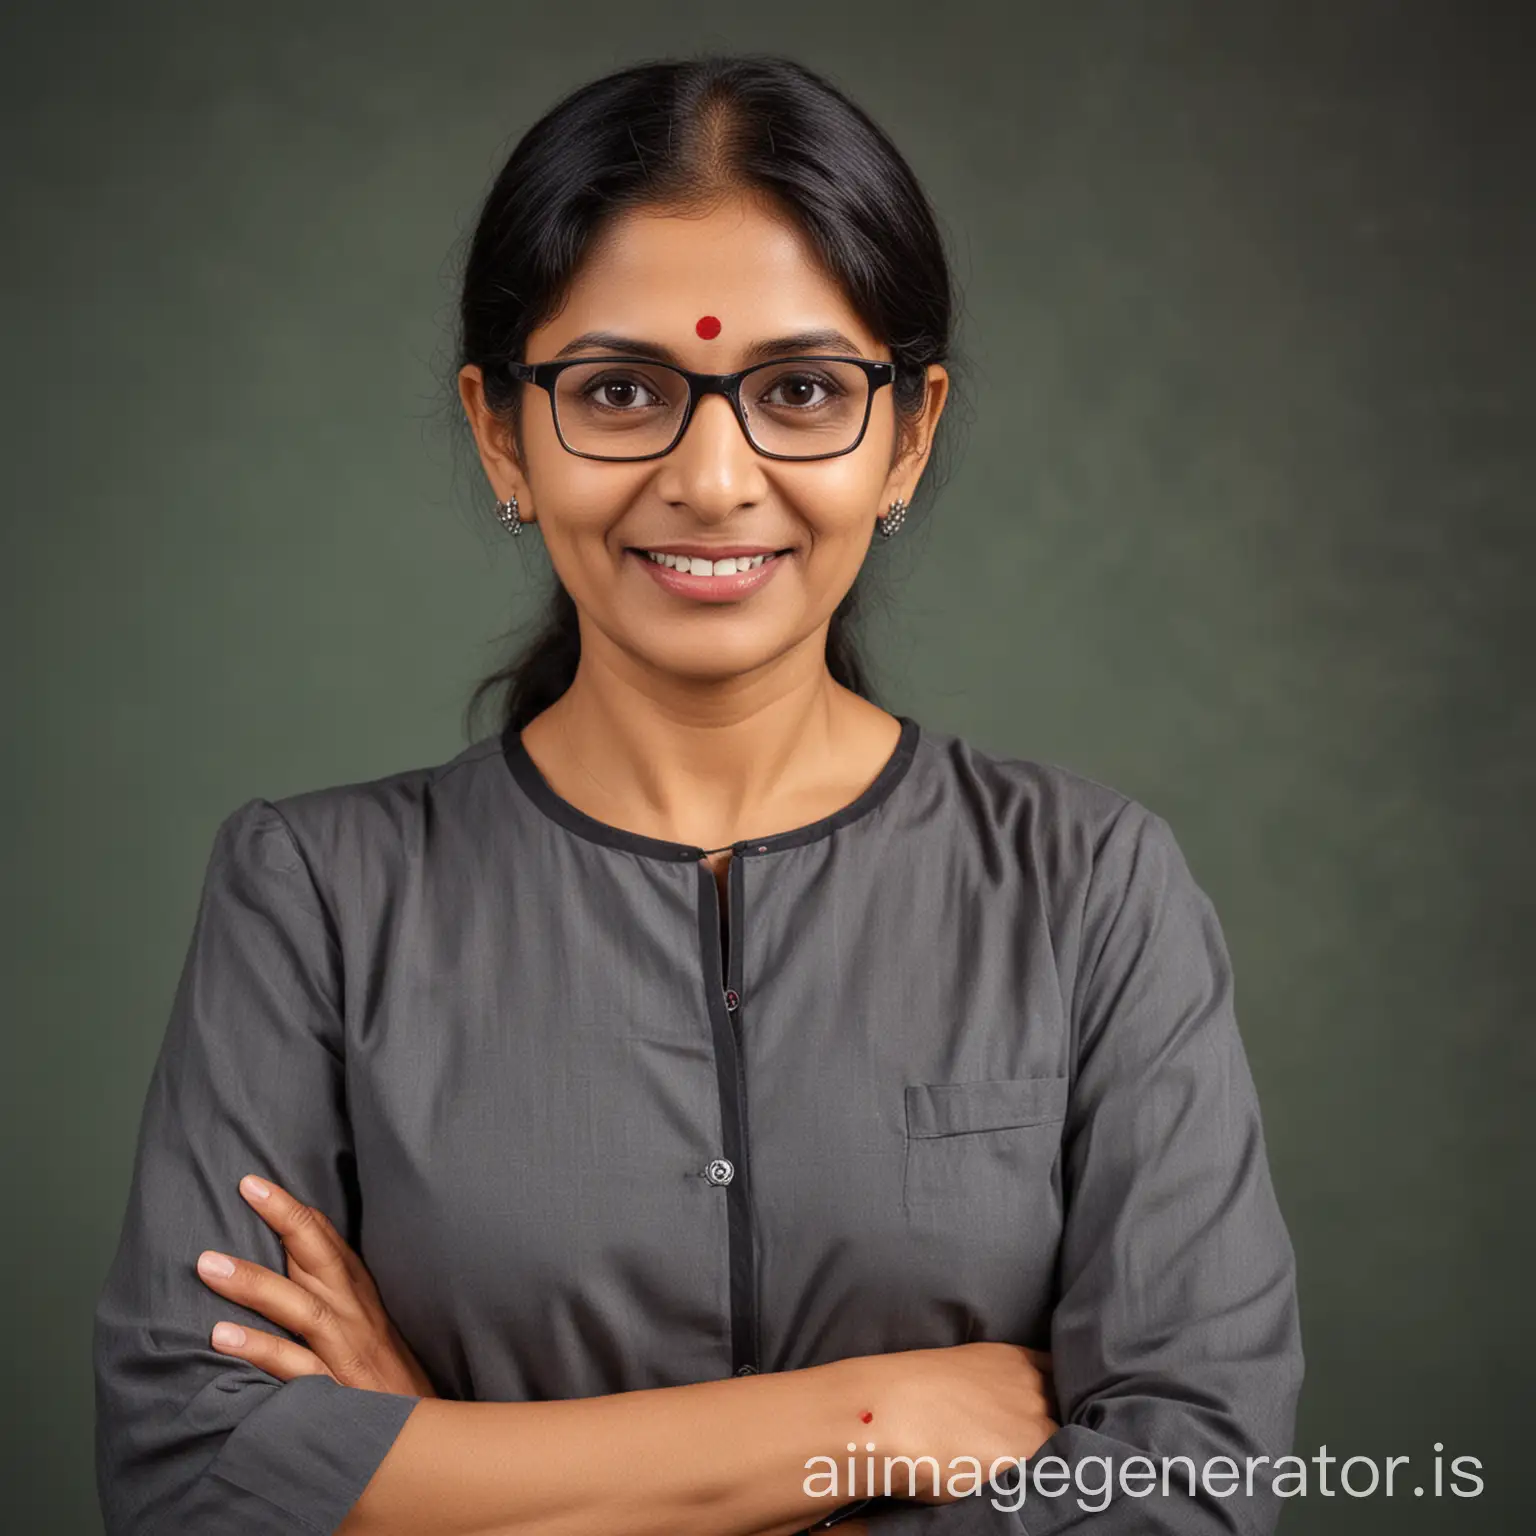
[(981, 1143)]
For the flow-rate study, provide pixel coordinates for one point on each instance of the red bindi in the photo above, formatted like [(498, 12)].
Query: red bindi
[(866, 1417), (708, 327)]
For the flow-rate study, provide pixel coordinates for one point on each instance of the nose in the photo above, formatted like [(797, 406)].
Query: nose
[(713, 468), (715, 425)]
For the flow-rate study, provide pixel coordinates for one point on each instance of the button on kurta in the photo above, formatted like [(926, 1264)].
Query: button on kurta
[(732, 1001), (720, 1171)]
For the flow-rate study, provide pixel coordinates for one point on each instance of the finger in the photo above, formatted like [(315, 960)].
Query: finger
[(357, 1271), (307, 1233), (277, 1298), (334, 1243), (279, 1357)]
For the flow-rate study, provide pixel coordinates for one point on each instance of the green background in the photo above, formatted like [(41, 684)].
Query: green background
[(1242, 527)]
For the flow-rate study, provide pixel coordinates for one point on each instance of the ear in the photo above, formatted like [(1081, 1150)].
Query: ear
[(909, 466), (493, 438)]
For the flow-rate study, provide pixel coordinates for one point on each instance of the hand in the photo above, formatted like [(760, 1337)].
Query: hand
[(995, 1402), (329, 1299)]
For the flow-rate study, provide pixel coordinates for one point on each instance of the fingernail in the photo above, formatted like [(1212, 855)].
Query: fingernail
[(217, 1265), (252, 1186), (232, 1335)]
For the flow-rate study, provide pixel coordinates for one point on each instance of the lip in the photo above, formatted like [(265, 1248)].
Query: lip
[(710, 589)]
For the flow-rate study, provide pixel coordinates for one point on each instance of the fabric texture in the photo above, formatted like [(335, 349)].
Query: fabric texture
[(968, 1068)]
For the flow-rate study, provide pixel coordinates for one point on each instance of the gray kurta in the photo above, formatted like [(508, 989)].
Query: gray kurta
[(969, 1070)]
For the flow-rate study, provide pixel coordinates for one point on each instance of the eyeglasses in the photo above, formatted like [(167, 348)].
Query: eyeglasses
[(628, 408)]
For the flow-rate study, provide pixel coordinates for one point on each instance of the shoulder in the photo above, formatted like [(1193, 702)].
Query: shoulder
[(363, 828), (1108, 869), (1090, 851), (1047, 805)]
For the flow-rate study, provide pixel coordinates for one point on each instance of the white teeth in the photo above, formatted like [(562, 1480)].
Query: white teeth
[(695, 567)]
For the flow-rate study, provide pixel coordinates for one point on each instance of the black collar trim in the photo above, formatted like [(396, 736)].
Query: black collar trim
[(538, 789)]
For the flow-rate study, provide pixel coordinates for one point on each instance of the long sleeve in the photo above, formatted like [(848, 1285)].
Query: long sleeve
[(249, 1078), (1176, 1330)]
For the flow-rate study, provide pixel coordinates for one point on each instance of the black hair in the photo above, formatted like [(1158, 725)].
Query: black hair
[(682, 134)]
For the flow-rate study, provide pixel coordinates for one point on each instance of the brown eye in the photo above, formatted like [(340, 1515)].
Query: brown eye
[(799, 391), (618, 392)]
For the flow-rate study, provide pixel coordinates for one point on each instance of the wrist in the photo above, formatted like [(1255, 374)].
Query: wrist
[(860, 1408)]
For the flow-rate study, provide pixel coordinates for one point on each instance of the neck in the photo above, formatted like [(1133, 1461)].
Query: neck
[(708, 766)]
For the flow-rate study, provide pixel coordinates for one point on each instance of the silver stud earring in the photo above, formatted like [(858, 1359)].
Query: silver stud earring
[(890, 521), (506, 511)]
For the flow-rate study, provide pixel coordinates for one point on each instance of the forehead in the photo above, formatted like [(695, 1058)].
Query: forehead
[(654, 275)]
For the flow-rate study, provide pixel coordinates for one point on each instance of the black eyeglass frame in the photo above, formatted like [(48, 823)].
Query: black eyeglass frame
[(543, 375)]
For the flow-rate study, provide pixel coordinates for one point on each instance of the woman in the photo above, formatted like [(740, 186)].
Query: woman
[(709, 1074)]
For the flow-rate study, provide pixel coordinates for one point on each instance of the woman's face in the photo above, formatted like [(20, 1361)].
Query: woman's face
[(652, 279)]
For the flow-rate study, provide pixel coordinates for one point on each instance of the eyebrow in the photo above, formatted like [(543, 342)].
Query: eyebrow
[(825, 340)]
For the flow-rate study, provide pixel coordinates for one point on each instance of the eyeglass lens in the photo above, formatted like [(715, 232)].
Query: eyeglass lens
[(795, 408)]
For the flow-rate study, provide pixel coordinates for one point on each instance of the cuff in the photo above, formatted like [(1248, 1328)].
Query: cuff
[(310, 1449)]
